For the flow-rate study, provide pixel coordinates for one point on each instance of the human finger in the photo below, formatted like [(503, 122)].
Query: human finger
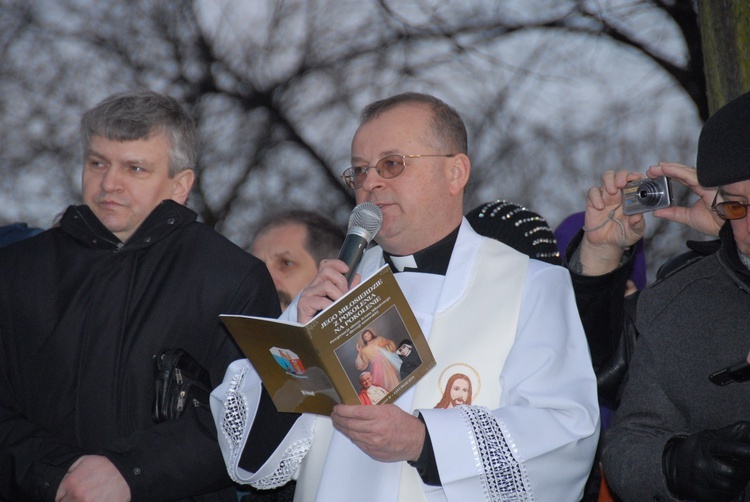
[(608, 179), (328, 286), (636, 224), (732, 449), (355, 281), (354, 421), (686, 175), (594, 198), (333, 271), (315, 298), (678, 214), (620, 179)]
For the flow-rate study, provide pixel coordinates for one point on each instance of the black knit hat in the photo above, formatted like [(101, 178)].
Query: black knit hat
[(516, 226), (724, 145)]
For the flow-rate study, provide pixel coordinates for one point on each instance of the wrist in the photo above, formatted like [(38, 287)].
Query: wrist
[(599, 259), (422, 445), (426, 464)]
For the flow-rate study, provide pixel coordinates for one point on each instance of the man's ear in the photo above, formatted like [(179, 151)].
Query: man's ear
[(182, 183), (459, 173)]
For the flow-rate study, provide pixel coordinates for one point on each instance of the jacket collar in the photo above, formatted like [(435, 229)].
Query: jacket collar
[(730, 260), (81, 223)]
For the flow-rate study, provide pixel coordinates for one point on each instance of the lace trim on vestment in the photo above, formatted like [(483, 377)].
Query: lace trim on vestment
[(233, 425), (287, 467), (234, 419), (502, 470)]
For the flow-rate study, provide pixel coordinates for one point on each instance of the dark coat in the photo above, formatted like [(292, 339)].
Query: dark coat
[(81, 317), (691, 324), (600, 305)]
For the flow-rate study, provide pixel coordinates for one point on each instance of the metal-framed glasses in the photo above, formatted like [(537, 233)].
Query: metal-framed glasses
[(387, 168), (729, 210)]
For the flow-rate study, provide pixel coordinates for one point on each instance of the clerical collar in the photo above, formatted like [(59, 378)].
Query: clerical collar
[(433, 259)]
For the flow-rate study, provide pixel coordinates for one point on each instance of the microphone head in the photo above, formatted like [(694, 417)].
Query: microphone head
[(365, 221)]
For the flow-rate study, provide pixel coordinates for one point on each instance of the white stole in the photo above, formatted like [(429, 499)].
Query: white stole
[(473, 331)]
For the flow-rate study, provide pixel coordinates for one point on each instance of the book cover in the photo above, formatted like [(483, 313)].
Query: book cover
[(365, 348)]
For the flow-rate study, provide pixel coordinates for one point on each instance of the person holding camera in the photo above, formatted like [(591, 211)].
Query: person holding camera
[(603, 258), (600, 258), (676, 434)]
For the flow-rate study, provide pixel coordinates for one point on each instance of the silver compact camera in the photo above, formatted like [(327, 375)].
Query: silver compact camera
[(645, 195)]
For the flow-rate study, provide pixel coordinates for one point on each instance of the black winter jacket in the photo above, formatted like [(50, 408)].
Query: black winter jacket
[(81, 317)]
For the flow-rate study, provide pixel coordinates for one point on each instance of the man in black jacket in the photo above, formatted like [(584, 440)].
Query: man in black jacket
[(85, 307)]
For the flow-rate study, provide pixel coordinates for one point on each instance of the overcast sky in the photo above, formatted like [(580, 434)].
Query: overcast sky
[(553, 82)]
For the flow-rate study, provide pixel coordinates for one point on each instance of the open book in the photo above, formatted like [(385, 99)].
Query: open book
[(365, 348)]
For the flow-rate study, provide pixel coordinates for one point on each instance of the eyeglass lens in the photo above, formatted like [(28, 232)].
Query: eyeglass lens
[(391, 166), (387, 167), (731, 210)]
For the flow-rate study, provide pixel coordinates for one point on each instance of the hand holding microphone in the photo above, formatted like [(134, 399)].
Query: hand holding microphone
[(335, 276)]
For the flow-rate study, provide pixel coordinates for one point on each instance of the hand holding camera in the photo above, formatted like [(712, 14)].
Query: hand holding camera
[(608, 232), (698, 215), (610, 228)]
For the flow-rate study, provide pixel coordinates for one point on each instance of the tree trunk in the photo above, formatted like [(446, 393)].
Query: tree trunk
[(725, 30)]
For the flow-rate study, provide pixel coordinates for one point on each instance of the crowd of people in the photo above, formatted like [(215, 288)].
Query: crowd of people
[(560, 375)]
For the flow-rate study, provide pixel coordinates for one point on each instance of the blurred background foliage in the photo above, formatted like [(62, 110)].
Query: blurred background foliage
[(553, 93)]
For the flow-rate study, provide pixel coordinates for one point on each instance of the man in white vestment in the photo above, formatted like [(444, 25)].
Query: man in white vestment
[(508, 324)]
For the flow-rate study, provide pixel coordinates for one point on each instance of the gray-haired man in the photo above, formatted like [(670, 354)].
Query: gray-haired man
[(85, 306)]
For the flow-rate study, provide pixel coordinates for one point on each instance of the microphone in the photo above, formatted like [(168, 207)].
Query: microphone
[(364, 223)]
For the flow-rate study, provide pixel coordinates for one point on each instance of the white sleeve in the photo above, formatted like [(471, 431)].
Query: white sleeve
[(234, 404), (540, 443)]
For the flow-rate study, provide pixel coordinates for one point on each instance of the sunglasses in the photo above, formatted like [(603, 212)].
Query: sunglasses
[(730, 210)]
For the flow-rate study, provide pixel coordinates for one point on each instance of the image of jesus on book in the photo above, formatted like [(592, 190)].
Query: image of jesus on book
[(457, 391), (378, 355)]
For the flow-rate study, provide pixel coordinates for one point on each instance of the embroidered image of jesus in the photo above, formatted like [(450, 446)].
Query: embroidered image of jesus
[(457, 391)]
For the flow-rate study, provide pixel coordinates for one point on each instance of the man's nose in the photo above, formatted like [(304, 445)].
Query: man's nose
[(373, 180), (111, 179)]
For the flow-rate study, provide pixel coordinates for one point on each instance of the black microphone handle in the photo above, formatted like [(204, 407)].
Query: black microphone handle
[(351, 253)]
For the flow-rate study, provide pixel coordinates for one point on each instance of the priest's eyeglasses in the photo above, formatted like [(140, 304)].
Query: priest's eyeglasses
[(729, 210), (387, 168)]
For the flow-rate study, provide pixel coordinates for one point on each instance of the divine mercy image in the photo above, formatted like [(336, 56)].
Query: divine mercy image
[(379, 357)]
